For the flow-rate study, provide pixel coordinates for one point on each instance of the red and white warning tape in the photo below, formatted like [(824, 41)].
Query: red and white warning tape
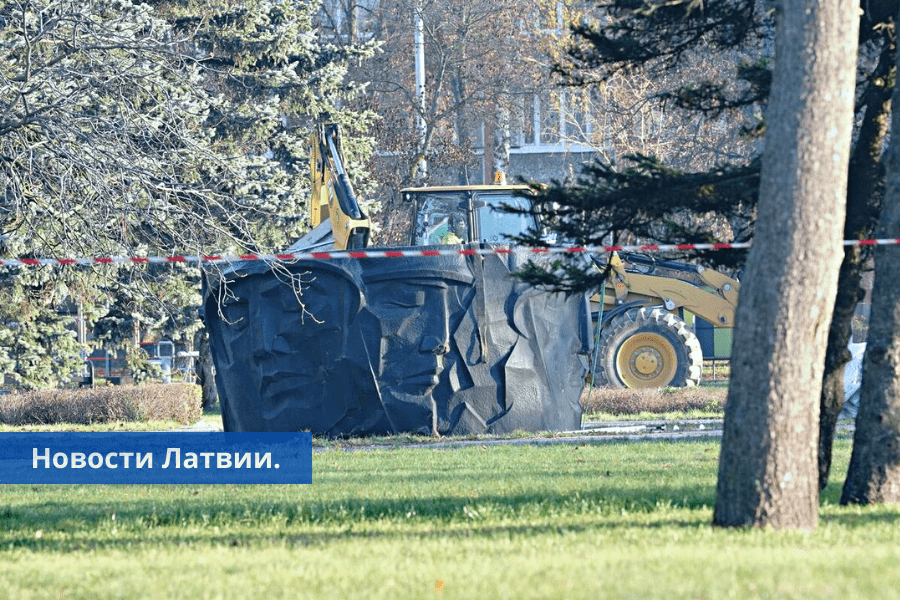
[(231, 258)]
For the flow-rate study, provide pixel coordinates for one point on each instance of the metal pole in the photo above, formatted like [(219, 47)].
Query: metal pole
[(419, 39), (82, 329)]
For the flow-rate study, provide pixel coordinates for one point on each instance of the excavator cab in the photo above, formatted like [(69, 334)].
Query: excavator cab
[(466, 215)]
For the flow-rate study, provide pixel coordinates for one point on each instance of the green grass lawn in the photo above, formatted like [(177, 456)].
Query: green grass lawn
[(589, 521)]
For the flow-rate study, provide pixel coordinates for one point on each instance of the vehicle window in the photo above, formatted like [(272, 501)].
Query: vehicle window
[(441, 219), (495, 225)]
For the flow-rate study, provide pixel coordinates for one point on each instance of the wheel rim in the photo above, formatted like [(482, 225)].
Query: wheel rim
[(646, 360)]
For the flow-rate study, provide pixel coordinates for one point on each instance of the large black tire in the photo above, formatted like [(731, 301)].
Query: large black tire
[(647, 348)]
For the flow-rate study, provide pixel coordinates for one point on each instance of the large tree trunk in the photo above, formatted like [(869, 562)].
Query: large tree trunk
[(768, 474), (864, 192), (874, 474)]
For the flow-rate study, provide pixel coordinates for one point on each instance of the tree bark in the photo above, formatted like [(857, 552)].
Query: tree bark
[(864, 192), (768, 473), (874, 473)]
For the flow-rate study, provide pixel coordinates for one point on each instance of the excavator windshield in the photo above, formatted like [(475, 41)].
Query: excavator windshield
[(467, 216), (494, 225)]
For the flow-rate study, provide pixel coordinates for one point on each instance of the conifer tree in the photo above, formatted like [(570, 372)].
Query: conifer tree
[(135, 129)]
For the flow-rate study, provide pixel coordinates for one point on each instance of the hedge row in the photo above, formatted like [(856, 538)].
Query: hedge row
[(634, 401), (149, 402)]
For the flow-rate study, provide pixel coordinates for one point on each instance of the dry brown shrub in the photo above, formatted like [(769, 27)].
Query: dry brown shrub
[(633, 401), (150, 402)]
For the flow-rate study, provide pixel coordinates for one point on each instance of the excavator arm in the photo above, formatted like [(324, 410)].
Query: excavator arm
[(332, 196)]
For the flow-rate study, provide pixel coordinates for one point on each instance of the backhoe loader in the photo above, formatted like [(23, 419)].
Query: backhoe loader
[(643, 338)]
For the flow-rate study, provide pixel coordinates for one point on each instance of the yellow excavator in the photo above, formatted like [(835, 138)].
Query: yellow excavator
[(643, 341)]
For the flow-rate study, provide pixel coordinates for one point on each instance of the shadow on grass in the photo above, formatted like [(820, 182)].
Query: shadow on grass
[(292, 538), (259, 537), (263, 522), (866, 518), (148, 522)]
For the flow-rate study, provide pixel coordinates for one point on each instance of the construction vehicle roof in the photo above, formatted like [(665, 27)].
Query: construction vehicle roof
[(468, 188)]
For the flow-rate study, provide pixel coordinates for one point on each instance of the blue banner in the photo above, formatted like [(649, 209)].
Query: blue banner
[(183, 457)]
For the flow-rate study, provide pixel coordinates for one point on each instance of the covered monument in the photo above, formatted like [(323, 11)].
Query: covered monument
[(443, 345)]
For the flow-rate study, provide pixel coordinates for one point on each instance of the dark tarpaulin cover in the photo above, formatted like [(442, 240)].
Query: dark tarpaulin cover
[(446, 345)]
